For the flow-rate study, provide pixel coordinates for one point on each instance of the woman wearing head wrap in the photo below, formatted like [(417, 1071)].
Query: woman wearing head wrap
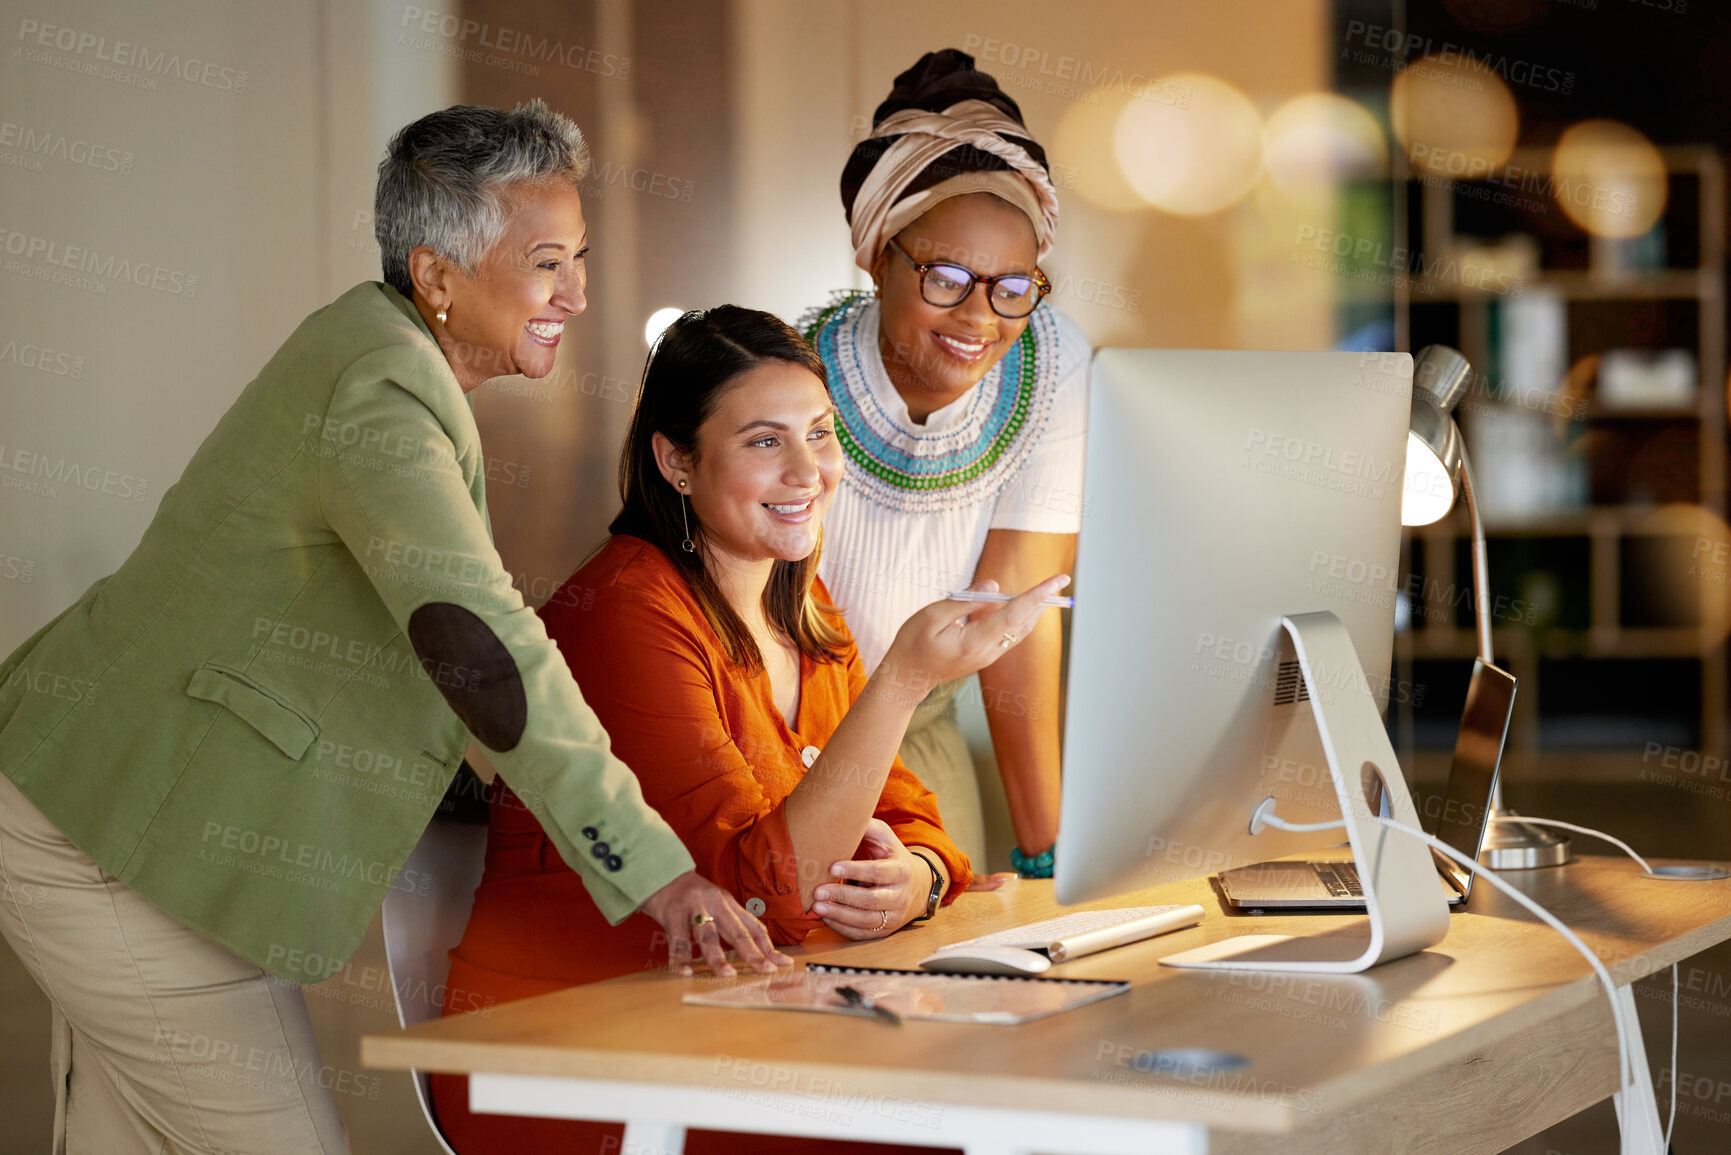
[(962, 405)]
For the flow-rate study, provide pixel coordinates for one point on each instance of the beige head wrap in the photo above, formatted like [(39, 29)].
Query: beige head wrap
[(878, 214)]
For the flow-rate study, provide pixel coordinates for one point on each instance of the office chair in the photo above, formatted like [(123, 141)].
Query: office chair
[(419, 928)]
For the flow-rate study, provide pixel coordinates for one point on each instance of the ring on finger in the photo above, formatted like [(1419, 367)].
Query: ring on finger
[(884, 921), (1008, 641), (698, 921)]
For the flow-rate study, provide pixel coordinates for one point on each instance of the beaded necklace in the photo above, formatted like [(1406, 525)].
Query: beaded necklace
[(914, 469)]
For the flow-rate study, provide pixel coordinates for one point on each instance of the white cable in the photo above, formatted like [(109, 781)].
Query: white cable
[(1301, 827), (1625, 1068), (1630, 851), (1669, 1123), (1625, 1065), (1618, 842)]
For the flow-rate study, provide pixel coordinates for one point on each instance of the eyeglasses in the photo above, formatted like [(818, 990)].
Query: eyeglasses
[(1012, 296)]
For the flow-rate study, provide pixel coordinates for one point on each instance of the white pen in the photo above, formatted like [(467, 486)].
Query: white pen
[(1062, 603)]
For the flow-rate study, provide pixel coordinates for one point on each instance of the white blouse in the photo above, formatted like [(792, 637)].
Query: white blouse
[(910, 518)]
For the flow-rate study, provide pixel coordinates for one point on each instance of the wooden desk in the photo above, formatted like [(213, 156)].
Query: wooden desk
[(1490, 1037)]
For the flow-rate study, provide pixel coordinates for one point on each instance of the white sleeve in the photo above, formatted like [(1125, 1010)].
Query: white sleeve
[(1045, 496)]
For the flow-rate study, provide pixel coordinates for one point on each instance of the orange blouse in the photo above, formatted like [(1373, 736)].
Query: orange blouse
[(714, 757)]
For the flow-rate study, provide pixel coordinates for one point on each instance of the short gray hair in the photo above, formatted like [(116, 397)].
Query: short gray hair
[(441, 181)]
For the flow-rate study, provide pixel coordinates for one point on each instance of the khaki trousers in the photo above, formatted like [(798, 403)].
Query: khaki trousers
[(163, 1042)]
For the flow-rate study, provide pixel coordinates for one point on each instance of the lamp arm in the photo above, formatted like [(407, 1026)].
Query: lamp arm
[(1481, 566)]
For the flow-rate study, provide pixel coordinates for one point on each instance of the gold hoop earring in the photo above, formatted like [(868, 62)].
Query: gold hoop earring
[(687, 545), (441, 315)]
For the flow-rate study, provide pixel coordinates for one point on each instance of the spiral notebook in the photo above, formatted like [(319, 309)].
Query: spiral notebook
[(940, 998)]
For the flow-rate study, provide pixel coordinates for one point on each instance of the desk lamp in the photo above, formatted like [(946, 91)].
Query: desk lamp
[(1437, 472)]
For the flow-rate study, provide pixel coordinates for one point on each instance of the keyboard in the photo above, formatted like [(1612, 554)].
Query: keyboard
[(1341, 878), (1039, 935)]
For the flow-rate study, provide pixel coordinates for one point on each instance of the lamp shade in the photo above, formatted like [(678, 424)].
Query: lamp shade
[(1440, 377), (1437, 472)]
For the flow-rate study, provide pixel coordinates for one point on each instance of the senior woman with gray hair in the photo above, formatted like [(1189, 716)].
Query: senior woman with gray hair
[(275, 688)]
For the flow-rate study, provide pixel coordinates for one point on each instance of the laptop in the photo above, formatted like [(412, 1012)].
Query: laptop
[(1462, 822)]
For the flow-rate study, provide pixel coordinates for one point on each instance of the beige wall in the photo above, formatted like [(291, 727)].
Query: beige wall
[(231, 195)]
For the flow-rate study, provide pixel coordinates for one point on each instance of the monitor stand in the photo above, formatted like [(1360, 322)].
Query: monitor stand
[(1403, 900)]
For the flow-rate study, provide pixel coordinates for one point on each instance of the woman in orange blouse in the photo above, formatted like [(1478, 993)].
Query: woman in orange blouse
[(704, 642)]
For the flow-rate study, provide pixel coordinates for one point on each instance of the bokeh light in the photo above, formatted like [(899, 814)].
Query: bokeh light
[(1453, 119), (1198, 153), (1315, 141), (1084, 142), (658, 321), (1609, 178)]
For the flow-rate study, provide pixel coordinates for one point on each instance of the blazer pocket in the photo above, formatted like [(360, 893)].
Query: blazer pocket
[(287, 728)]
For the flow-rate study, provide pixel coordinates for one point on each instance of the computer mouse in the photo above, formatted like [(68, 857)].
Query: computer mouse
[(987, 960)]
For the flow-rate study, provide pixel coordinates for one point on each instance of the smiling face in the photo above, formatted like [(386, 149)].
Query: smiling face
[(934, 355), (509, 316), (767, 464)]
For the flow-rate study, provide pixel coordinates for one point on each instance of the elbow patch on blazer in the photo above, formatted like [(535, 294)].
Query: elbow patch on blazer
[(474, 670)]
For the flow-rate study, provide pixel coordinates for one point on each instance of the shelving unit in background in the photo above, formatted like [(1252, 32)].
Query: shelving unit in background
[(1610, 532)]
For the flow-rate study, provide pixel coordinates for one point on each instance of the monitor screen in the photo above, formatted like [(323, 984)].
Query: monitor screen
[(1224, 491)]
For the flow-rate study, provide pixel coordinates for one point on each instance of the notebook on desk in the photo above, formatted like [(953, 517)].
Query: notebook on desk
[(941, 998)]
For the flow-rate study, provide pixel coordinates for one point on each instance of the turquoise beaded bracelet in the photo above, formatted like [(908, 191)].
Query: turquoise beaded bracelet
[(1039, 866)]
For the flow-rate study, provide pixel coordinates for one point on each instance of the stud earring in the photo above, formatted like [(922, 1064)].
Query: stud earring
[(687, 545)]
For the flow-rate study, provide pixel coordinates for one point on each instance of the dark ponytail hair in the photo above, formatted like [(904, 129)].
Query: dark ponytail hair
[(696, 360)]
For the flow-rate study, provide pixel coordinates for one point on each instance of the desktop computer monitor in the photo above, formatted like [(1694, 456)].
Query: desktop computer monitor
[(1226, 494)]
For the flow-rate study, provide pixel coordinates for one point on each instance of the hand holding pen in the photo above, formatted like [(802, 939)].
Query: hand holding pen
[(948, 639), (1061, 602)]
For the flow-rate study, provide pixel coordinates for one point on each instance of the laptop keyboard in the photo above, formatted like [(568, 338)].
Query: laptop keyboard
[(1341, 879)]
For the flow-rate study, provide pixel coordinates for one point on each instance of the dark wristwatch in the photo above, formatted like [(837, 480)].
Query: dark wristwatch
[(937, 893)]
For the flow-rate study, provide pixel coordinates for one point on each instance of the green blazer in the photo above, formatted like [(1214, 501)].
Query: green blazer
[(251, 721)]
